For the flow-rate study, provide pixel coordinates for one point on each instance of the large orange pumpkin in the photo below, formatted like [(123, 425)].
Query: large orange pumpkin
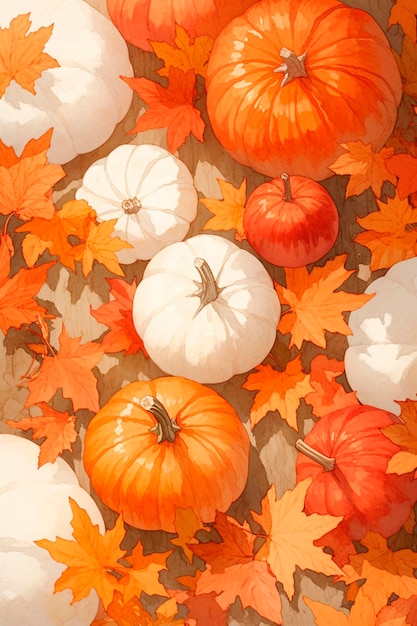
[(290, 80), (166, 443), (141, 21)]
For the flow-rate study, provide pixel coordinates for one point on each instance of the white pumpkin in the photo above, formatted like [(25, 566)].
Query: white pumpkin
[(34, 504), (84, 98), (206, 309), (149, 191), (381, 360)]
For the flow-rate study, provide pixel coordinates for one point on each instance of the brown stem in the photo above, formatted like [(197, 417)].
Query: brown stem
[(328, 463), (165, 428), (208, 290), (293, 66), (131, 206), (287, 187)]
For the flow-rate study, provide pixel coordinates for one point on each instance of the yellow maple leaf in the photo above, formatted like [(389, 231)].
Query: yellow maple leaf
[(361, 613), (366, 167), (407, 64), (228, 212), (21, 54), (390, 233), (405, 436), (315, 305), (186, 524), (184, 55), (291, 535), (101, 246), (278, 391), (404, 13)]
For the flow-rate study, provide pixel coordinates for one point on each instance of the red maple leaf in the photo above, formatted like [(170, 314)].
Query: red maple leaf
[(404, 166), (170, 107)]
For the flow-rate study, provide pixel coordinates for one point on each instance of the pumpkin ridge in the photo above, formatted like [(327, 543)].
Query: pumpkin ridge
[(145, 173)]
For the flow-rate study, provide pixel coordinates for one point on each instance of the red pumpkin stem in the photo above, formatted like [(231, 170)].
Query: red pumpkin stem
[(293, 66), (287, 187), (165, 428), (328, 463), (131, 206), (208, 289)]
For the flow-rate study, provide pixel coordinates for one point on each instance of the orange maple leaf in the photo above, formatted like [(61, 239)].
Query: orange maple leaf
[(291, 535), (401, 612), (407, 63), (121, 613), (390, 233), (117, 315), (404, 166), (278, 391), (233, 571), (361, 613), (70, 370), (17, 293), (184, 55), (404, 13), (228, 212), (21, 54), (92, 559), (26, 182), (57, 429), (366, 167), (101, 245), (170, 107), (187, 524), (143, 575), (405, 436), (328, 394), (202, 608), (315, 305)]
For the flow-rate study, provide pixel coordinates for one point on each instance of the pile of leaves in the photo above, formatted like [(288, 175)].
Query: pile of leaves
[(248, 559)]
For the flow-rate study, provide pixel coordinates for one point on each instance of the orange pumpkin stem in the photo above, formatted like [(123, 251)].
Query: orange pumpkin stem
[(293, 66), (287, 187), (131, 206), (208, 289), (328, 463), (165, 428)]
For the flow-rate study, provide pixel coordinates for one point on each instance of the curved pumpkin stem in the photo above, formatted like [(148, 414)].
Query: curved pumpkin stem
[(165, 428), (207, 289), (293, 66), (328, 463), (287, 187), (131, 206)]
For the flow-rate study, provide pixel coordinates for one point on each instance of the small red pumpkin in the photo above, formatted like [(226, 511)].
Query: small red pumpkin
[(289, 81), (346, 455), (141, 21), (291, 221), (166, 443)]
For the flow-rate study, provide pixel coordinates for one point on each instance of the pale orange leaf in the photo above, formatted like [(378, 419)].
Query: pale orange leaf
[(328, 394), (228, 212), (185, 55), (143, 575), (405, 436), (361, 613), (407, 63), (404, 13), (101, 246), (186, 524)]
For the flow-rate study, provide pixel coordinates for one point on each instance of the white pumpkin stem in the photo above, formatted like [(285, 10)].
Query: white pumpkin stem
[(208, 289), (131, 206), (293, 66), (328, 463), (287, 187), (166, 428)]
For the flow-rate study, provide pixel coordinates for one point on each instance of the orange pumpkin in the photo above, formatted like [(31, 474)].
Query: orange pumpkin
[(166, 443), (141, 21), (290, 80)]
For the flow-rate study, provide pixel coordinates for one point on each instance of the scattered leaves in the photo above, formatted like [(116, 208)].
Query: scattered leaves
[(407, 64), (399, 613), (404, 13), (405, 436), (186, 524), (328, 394), (404, 167), (228, 212), (361, 613), (184, 55), (101, 245)]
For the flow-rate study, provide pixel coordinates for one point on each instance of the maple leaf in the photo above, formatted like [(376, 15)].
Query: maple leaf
[(184, 55), (101, 246), (327, 395), (170, 107), (390, 233), (404, 166), (291, 535), (385, 572), (361, 613), (144, 573), (92, 559), (315, 305), (407, 64), (186, 525), (405, 436), (228, 212), (17, 294), (21, 54), (121, 613), (70, 370), (26, 182), (232, 571), (202, 608), (404, 13), (366, 167), (117, 315), (401, 612), (278, 391), (56, 427)]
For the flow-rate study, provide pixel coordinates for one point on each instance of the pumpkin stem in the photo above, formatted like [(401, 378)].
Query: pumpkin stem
[(165, 428), (207, 289), (287, 187), (293, 66), (328, 463), (131, 206)]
